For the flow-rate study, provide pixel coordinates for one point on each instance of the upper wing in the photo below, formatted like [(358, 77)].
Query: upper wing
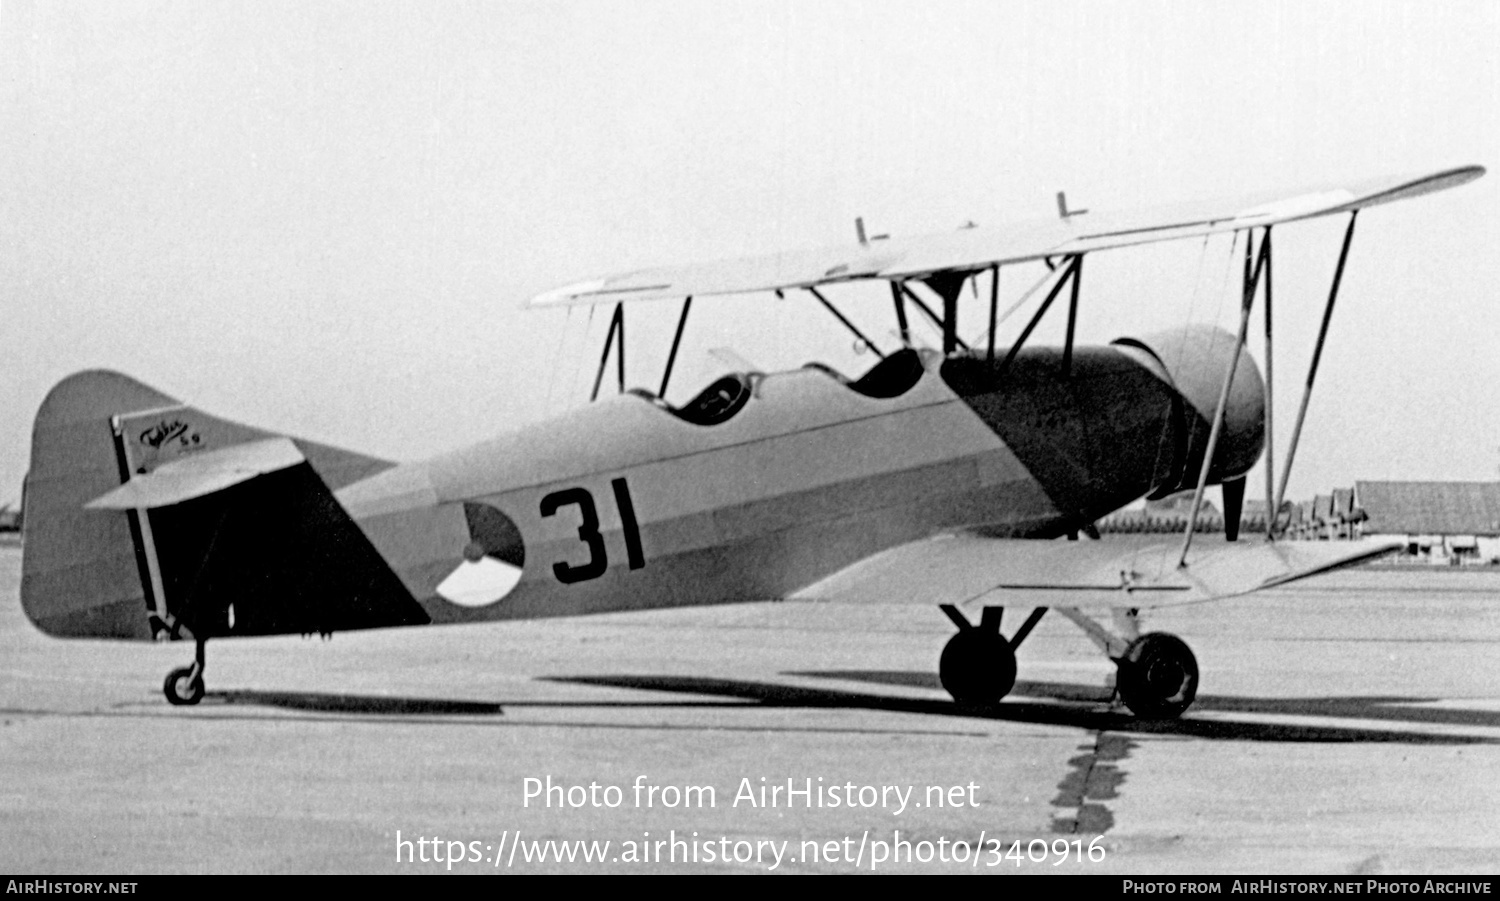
[(981, 247), (1118, 571)]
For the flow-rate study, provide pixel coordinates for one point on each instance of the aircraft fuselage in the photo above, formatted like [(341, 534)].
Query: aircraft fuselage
[(625, 505)]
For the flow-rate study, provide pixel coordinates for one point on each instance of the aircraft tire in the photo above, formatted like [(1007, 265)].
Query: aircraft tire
[(976, 668), (1158, 676), (182, 688)]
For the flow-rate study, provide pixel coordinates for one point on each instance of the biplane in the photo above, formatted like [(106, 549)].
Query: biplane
[(932, 479)]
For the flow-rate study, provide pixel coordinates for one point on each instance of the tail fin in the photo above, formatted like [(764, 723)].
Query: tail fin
[(80, 574), (144, 514)]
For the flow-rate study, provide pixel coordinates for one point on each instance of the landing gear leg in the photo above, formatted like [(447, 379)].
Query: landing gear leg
[(185, 686), (978, 666), (1158, 676)]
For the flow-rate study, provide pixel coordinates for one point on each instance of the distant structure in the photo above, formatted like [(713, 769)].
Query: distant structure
[(1441, 522), (10, 520), (1327, 517), (1170, 514), (1454, 523)]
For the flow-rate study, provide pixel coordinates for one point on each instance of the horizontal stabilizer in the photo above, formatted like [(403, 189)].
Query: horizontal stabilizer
[(1119, 571), (200, 474)]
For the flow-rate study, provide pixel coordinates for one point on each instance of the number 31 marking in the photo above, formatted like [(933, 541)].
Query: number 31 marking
[(588, 531)]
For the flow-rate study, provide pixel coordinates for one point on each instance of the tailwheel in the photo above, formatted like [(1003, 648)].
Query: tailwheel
[(185, 686), (978, 667), (1158, 676)]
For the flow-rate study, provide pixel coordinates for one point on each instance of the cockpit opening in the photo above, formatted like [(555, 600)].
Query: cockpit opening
[(717, 403), (891, 377)]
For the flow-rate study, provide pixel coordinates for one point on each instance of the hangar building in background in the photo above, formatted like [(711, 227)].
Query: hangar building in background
[(1441, 522)]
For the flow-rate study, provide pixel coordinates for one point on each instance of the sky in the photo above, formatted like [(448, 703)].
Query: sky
[(325, 218)]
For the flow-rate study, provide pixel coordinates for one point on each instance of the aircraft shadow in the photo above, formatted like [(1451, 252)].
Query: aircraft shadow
[(1085, 709), (1072, 705), (384, 705), (343, 703), (1394, 708)]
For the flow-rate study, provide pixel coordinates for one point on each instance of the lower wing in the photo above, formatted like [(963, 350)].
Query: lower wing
[(968, 570)]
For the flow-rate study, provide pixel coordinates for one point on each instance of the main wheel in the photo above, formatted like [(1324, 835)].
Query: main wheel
[(183, 687), (1158, 676), (977, 668)]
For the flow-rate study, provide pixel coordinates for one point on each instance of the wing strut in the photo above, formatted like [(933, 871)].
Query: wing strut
[(847, 324), (1312, 370), (616, 324), (947, 323), (900, 302), (666, 376), (994, 306), (1070, 268), (1251, 280), (926, 310), (1272, 511), (1077, 276), (948, 286)]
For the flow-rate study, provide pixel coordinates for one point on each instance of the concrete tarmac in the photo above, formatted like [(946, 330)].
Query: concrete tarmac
[(1346, 725)]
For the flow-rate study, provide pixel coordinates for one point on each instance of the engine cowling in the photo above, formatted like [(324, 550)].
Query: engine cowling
[(1193, 360)]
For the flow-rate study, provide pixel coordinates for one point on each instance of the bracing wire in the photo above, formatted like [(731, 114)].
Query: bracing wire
[(1219, 294), (1193, 297), (984, 335), (570, 390), (557, 357)]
